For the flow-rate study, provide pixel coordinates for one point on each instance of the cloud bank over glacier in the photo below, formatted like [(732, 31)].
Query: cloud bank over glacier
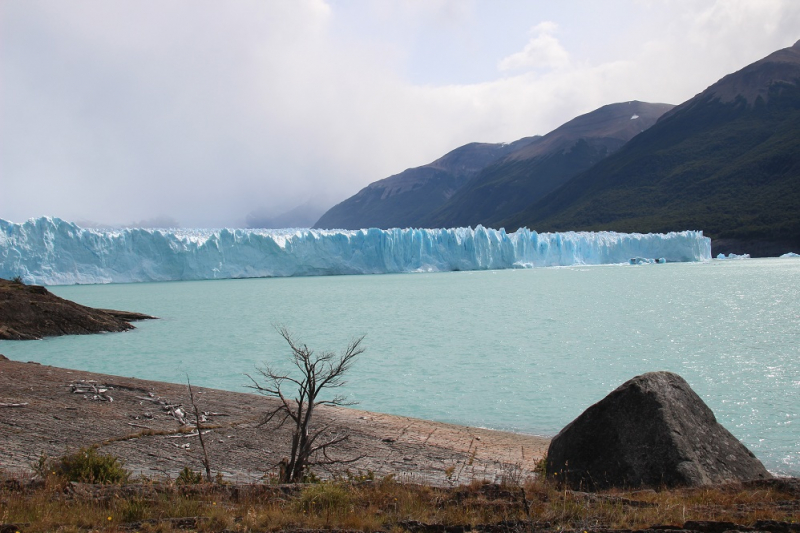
[(205, 111)]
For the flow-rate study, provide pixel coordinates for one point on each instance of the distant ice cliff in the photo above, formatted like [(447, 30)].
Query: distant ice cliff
[(51, 251)]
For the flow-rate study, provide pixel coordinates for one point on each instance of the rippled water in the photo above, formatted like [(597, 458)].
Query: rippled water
[(521, 350)]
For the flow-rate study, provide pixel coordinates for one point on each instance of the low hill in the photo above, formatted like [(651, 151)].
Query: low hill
[(526, 175), (727, 161), (301, 216)]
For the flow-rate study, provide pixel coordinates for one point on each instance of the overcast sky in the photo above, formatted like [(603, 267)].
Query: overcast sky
[(203, 111)]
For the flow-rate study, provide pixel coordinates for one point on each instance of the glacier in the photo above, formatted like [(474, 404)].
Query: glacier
[(51, 251)]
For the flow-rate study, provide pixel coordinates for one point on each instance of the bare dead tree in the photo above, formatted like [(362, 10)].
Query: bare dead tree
[(317, 371), (206, 462)]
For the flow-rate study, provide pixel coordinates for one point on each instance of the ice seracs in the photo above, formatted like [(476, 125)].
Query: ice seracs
[(51, 251)]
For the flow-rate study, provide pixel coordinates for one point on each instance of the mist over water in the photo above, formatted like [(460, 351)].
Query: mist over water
[(520, 350)]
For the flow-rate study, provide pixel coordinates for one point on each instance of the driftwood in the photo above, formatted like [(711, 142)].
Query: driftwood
[(175, 411), (178, 414), (186, 435), (91, 391), (147, 398), (13, 404)]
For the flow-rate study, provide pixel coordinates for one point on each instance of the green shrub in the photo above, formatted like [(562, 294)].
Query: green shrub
[(359, 477), (189, 477), (132, 510), (327, 498), (310, 477), (42, 466), (540, 468), (88, 466)]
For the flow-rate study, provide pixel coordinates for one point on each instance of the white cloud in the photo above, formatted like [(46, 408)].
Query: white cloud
[(542, 51), (203, 111), (421, 11)]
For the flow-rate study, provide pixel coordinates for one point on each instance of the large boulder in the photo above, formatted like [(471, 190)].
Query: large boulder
[(654, 430)]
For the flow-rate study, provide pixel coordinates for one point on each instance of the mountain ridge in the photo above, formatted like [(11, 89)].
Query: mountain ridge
[(401, 199), (430, 195), (524, 176), (724, 162)]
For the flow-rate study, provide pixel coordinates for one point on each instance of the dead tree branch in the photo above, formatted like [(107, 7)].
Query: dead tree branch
[(197, 418)]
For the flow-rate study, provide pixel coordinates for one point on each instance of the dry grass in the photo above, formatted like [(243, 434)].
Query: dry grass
[(56, 505)]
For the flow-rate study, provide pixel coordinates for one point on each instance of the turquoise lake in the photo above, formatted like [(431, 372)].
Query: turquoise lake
[(518, 350)]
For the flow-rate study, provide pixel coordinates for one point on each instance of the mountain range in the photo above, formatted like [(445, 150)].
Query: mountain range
[(302, 216), (482, 183), (540, 167), (726, 161)]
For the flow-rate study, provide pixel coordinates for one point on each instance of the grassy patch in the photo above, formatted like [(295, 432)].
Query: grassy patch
[(369, 506)]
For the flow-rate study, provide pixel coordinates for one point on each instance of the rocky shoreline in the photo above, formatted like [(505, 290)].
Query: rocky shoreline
[(30, 312), (51, 411)]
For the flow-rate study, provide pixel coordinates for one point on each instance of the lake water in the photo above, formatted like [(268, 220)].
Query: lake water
[(519, 350)]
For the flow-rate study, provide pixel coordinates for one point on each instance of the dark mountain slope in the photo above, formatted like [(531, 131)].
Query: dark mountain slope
[(403, 199), (521, 178), (727, 162)]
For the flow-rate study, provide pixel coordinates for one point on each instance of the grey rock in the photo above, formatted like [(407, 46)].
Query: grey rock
[(653, 430)]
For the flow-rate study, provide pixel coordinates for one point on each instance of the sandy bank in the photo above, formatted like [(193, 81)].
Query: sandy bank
[(63, 410)]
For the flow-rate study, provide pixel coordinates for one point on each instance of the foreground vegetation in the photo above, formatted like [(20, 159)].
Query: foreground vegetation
[(49, 501)]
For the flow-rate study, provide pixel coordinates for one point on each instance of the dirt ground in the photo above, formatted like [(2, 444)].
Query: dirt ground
[(53, 411)]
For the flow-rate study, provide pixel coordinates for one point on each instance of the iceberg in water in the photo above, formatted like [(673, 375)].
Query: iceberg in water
[(51, 251), (733, 256), (791, 254)]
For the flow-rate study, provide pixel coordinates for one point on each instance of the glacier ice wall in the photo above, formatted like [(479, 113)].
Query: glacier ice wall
[(51, 251)]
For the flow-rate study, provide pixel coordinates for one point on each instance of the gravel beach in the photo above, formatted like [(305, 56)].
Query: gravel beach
[(53, 411)]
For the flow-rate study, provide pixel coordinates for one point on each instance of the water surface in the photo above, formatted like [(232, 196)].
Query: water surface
[(519, 350)]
